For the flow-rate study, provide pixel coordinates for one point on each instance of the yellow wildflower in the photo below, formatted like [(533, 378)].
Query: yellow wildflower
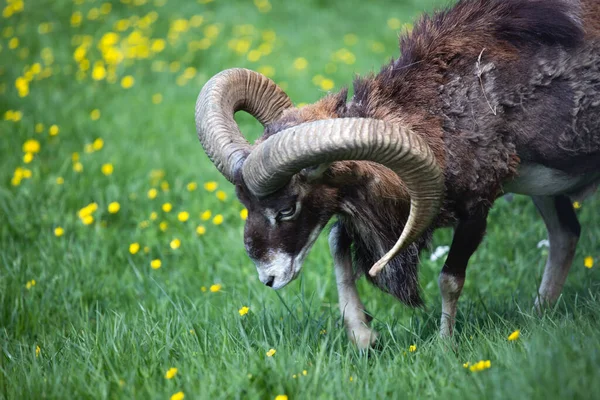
[(78, 167), (60, 180), (164, 185), (178, 396), (95, 114), (175, 244), (412, 348), (200, 230), (155, 264), (157, 98), (30, 284), (218, 219), (39, 127), (54, 130), (588, 262), (167, 207), (266, 70), (37, 351), (466, 365), (171, 372), (281, 397), (98, 144), (211, 186), (114, 207), (203, 289), (27, 158), (244, 214), (577, 205), (327, 84), (134, 248), (59, 231), (152, 193), (300, 63), (394, 23), (205, 216), (192, 186), (31, 146), (87, 220), (107, 169), (243, 311), (75, 157), (163, 226), (480, 366), (88, 148), (215, 288), (515, 335), (127, 82), (153, 216), (304, 372), (183, 216), (271, 353)]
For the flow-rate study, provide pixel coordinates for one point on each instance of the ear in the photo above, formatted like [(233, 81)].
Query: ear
[(312, 174)]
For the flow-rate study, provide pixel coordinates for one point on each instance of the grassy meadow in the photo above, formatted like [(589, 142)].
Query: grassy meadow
[(121, 254)]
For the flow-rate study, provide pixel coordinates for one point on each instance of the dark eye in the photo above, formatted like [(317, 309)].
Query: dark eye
[(287, 213)]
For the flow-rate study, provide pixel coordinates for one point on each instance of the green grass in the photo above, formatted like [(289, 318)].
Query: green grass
[(109, 326)]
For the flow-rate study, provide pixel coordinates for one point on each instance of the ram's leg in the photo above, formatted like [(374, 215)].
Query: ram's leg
[(352, 309), (467, 236), (563, 234)]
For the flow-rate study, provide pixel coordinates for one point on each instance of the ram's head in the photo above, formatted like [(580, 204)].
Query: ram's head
[(280, 180)]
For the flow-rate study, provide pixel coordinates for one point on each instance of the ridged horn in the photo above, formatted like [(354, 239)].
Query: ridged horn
[(272, 163), (221, 97)]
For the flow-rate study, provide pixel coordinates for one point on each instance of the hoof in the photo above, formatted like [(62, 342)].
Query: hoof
[(363, 337)]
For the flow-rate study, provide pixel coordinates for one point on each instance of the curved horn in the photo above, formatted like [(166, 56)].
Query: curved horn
[(221, 97), (271, 164)]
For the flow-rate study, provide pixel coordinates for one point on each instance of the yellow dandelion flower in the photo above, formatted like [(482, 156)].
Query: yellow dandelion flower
[(394, 23), (178, 396), (192, 186), (127, 82), (53, 130), (163, 226), (78, 167), (200, 230), (300, 63), (88, 148), (30, 284), (243, 311), (588, 262), (244, 214), (466, 365), (157, 98), (211, 186), (281, 397), (221, 195), (412, 348), (134, 248), (266, 70), (87, 219), (95, 114), (183, 216), (175, 244), (167, 207), (146, 249), (304, 372), (75, 157), (153, 216), (203, 289), (114, 207), (155, 264), (60, 180), (31, 146), (164, 185), (218, 219), (515, 335), (39, 127), (576, 205), (215, 288), (37, 351), (327, 84), (480, 366), (59, 231), (13, 43), (152, 193), (171, 372), (98, 144), (205, 216), (351, 379), (107, 169), (99, 71), (27, 158), (271, 353)]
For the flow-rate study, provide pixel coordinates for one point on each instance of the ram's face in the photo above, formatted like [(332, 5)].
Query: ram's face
[(281, 229)]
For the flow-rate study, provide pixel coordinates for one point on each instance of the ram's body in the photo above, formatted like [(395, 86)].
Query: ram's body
[(507, 96)]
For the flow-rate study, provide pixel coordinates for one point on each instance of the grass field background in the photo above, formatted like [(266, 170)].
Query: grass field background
[(96, 108)]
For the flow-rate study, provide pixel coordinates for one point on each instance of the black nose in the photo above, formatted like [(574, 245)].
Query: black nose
[(270, 281)]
